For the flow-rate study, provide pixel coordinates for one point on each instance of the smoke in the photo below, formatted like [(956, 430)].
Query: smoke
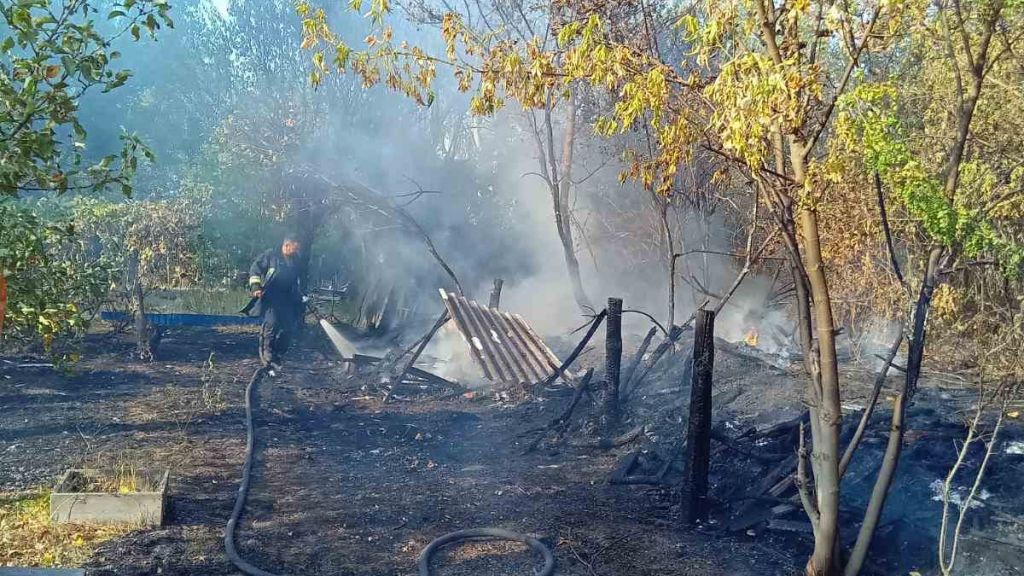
[(234, 80), (448, 356)]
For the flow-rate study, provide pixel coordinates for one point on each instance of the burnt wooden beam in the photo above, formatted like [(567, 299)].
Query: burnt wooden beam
[(414, 354)]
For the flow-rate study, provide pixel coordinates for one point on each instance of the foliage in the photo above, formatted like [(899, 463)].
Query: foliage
[(51, 55), (53, 282), (28, 538), (156, 240), (870, 124), (64, 258)]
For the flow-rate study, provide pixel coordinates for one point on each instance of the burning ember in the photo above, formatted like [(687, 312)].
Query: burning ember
[(751, 338)]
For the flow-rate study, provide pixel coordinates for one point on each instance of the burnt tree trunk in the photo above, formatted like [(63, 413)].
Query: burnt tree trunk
[(613, 361), (915, 353), (698, 434)]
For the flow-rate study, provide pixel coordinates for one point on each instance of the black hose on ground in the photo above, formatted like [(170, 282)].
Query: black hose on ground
[(487, 534), (243, 488), (424, 563)]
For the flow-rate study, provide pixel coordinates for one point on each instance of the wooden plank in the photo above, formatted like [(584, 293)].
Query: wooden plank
[(481, 337), (464, 330)]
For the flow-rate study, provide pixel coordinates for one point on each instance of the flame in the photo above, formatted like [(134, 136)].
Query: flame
[(751, 337)]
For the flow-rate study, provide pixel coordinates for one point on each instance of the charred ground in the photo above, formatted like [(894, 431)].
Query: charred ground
[(348, 484)]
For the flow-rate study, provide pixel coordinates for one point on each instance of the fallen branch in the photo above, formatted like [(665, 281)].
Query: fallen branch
[(725, 440), (561, 423), (561, 370), (622, 476), (367, 360), (608, 443), (419, 347), (577, 395), (635, 362), (753, 354), (673, 336)]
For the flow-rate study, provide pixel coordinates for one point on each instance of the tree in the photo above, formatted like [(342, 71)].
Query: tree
[(53, 280), (51, 55)]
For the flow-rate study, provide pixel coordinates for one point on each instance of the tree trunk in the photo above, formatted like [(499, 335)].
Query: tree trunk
[(828, 416), (964, 117), (881, 489), (3, 301), (141, 325), (670, 249), (915, 354), (561, 183)]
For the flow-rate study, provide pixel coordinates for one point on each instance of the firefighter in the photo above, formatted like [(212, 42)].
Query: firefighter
[(275, 280)]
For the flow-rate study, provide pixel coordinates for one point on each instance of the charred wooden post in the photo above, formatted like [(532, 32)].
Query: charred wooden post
[(496, 293), (613, 359), (698, 435)]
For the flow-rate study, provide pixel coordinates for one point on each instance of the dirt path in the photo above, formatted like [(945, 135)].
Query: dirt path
[(344, 484)]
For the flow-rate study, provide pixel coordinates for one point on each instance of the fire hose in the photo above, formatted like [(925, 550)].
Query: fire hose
[(425, 555)]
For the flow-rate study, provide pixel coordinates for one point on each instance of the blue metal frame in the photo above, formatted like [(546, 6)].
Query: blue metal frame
[(185, 319)]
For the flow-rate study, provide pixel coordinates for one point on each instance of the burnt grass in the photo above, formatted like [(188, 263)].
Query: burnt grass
[(348, 484)]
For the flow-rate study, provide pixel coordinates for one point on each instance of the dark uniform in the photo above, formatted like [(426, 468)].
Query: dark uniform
[(280, 305)]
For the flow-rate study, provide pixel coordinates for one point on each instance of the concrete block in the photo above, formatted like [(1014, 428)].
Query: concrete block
[(69, 503)]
